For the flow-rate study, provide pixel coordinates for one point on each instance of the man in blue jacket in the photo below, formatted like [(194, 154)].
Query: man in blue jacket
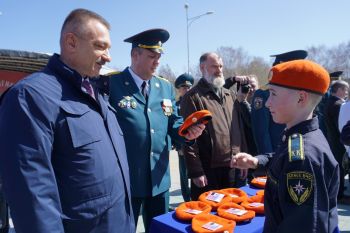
[(63, 159), (147, 114)]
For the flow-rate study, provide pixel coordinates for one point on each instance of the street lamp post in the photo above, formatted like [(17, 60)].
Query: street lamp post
[(189, 21)]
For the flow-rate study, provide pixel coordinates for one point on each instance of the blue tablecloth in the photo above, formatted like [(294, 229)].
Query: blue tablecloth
[(168, 223)]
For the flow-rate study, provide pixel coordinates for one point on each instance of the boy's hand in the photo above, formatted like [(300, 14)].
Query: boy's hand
[(244, 161)]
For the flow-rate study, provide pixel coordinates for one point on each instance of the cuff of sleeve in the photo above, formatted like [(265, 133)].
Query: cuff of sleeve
[(190, 143)]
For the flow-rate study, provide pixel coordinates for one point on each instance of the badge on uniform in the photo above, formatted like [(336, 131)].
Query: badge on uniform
[(127, 102), (167, 107), (300, 186), (258, 102), (296, 147)]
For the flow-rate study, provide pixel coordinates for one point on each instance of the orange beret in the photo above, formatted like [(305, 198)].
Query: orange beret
[(255, 203), (259, 182), (207, 196), (207, 223), (302, 75), (187, 210), (236, 194), (199, 117), (260, 192), (232, 211)]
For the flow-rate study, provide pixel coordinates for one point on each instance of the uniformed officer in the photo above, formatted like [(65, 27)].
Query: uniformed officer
[(320, 109), (148, 116), (183, 84), (338, 93), (266, 132), (303, 176)]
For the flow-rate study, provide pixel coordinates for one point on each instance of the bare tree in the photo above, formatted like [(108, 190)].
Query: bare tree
[(166, 72), (332, 58), (239, 62)]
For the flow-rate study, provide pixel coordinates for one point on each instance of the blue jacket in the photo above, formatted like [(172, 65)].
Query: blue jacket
[(267, 134), (148, 130), (302, 184), (62, 153)]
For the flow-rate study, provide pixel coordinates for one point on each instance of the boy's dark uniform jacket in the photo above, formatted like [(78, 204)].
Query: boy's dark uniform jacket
[(63, 158), (303, 182), (223, 135)]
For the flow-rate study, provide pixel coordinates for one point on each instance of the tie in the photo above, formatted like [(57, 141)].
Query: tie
[(144, 90), (87, 87)]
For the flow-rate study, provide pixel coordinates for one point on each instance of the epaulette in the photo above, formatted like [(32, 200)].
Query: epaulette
[(296, 148), (162, 78), (112, 73)]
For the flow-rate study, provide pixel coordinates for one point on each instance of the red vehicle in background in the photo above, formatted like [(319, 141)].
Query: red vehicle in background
[(15, 65)]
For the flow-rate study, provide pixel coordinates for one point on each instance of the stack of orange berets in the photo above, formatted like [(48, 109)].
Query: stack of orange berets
[(187, 210), (214, 198), (208, 223), (236, 194), (233, 211), (255, 203), (259, 182)]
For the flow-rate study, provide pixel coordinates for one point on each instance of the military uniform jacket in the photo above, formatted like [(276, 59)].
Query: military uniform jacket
[(223, 135), (331, 116), (148, 127), (303, 182), (267, 134), (62, 154)]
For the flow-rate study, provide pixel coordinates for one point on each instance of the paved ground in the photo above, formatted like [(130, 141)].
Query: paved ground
[(176, 198)]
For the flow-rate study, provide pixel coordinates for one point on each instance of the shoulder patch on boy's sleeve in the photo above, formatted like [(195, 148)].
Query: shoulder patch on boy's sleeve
[(296, 147)]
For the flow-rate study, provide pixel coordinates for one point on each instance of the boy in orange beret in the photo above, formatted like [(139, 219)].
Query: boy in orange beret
[(303, 176)]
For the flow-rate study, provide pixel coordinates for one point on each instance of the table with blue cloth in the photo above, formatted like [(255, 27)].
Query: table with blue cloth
[(170, 224)]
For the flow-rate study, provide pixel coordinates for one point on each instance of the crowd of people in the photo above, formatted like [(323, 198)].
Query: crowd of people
[(79, 155)]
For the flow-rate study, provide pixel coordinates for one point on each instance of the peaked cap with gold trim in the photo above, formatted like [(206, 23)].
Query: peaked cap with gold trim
[(152, 39)]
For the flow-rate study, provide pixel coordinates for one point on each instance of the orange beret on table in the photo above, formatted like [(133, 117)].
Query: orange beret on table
[(260, 192), (237, 195), (199, 117), (187, 210), (204, 197), (228, 210), (199, 222), (255, 203), (259, 182)]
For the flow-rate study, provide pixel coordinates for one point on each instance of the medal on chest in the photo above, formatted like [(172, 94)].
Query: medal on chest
[(167, 107), (127, 102)]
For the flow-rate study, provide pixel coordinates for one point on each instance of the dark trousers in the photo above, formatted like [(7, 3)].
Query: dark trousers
[(218, 178), (111, 221), (151, 207), (4, 218), (185, 188)]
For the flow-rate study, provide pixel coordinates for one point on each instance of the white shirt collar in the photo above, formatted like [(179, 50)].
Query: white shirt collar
[(137, 79)]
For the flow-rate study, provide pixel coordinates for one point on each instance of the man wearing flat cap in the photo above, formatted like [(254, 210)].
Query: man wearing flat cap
[(147, 114), (183, 84), (265, 131)]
